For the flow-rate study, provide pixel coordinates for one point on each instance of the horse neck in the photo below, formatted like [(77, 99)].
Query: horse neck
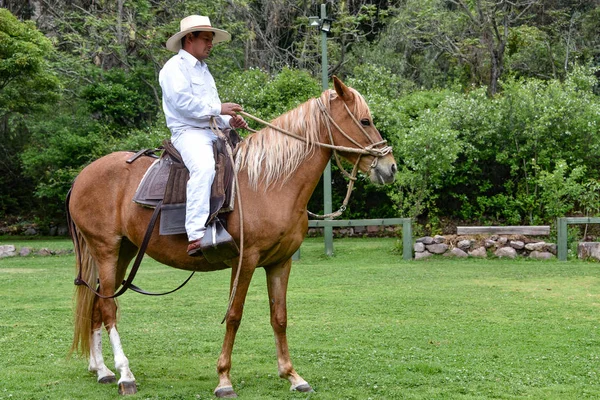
[(307, 176), (272, 158)]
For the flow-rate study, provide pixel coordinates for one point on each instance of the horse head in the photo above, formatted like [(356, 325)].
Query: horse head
[(353, 130)]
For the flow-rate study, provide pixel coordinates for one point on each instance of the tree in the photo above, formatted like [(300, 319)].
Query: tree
[(27, 85), (490, 21)]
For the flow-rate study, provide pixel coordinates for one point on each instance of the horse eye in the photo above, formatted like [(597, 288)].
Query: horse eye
[(365, 122)]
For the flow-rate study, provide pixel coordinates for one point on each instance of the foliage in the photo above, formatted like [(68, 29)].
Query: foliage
[(56, 152), (27, 84), (559, 191), (480, 99), (266, 95), (119, 100)]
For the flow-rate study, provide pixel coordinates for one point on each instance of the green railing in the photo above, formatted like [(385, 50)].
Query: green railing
[(407, 245), (562, 225)]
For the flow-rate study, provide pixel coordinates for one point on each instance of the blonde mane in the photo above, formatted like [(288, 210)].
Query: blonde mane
[(272, 157)]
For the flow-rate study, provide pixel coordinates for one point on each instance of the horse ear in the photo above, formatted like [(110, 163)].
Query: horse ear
[(341, 89)]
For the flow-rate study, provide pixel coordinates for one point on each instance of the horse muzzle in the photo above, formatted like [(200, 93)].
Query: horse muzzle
[(384, 170)]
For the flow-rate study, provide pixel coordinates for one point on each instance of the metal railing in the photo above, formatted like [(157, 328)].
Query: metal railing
[(562, 228), (407, 245)]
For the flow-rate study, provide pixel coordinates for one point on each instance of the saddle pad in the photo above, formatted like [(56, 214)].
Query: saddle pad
[(167, 179), (151, 189)]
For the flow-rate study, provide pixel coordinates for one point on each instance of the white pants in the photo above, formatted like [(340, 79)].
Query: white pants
[(196, 149)]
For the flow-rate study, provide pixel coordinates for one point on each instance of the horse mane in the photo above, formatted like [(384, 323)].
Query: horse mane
[(271, 157)]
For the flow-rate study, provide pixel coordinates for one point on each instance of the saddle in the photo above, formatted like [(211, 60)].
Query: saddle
[(165, 183)]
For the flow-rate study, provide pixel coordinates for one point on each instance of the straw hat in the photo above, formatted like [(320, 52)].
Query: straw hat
[(195, 23)]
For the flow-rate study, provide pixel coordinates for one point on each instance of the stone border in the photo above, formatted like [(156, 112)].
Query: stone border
[(509, 246), (9, 250)]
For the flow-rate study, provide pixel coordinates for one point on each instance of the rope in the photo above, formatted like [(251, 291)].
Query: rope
[(215, 128), (369, 150)]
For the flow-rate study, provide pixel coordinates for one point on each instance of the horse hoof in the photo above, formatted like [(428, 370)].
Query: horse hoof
[(225, 393), (107, 379), (304, 388), (127, 388)]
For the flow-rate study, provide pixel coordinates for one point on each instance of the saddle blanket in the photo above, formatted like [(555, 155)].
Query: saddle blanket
[(166, 180)]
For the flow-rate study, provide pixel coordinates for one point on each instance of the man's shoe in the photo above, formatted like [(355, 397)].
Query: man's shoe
[(193, 248)]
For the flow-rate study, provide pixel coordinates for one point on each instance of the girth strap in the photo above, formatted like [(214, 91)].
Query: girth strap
[(128, 283)]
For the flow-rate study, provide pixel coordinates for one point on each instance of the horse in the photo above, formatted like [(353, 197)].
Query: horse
[(277, 173)]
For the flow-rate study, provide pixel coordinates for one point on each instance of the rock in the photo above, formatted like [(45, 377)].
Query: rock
[(508, 252), (63, 252), (587, 250), (551, 247), (30, 232), (425, 240), (419, 247), (479, 252), (7, 250), (464, 244), (456, 252), (541, 255), (53, 231), (538, 246), (344, 232), (25, 251), (516, 244), (502, 240), (423, 254), (437, 248), (439, 239), (373, 229), (360, 230), (44, 252), (64, 231), (489, 243)]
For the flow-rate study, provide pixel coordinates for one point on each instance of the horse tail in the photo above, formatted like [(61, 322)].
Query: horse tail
[(84, 298)]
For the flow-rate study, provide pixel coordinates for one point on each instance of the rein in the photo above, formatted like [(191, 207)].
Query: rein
[(369, 150), (215, 128), (361, 150), (127, 283)]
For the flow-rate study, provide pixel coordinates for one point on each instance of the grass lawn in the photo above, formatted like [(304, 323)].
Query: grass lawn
[(362, 325)]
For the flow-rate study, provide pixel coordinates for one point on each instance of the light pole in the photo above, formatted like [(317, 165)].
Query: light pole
[(324, 25)]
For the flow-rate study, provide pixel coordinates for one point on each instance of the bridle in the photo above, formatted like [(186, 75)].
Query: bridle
[(376, 149)]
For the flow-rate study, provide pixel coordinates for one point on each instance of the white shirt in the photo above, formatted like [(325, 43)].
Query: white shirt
[(189, 94)]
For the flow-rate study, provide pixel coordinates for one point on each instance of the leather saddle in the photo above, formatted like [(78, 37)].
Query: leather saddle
[(166, 181)]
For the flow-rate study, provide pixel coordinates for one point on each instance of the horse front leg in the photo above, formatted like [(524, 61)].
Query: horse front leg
[(233, 320), (277, 283)]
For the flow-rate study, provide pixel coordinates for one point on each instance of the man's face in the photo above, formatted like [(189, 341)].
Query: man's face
[(200, 45)]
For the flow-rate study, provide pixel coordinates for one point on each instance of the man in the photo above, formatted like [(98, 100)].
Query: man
[(190, 99)]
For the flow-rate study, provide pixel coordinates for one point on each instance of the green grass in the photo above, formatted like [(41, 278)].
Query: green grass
[(36, 242), (363, 324)]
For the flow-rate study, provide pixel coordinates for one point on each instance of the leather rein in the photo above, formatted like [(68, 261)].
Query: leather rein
[(370, 150)]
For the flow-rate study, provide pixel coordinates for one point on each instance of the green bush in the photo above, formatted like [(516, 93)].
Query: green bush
[(505, 150)]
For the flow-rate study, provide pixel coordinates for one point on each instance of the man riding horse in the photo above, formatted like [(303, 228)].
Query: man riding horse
[(190, 99)]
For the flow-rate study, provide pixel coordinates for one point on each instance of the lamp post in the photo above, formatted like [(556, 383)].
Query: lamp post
[(324, 25)]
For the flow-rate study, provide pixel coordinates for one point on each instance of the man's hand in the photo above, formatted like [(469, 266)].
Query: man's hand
[(230, 109), (237, 122)]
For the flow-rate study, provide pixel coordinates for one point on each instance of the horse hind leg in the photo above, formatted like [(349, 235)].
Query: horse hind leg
[(97, 365), (107, 309), (277, 283), (105, 312)]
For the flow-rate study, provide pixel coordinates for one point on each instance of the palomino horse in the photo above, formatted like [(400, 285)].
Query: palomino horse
[(277, 175)]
